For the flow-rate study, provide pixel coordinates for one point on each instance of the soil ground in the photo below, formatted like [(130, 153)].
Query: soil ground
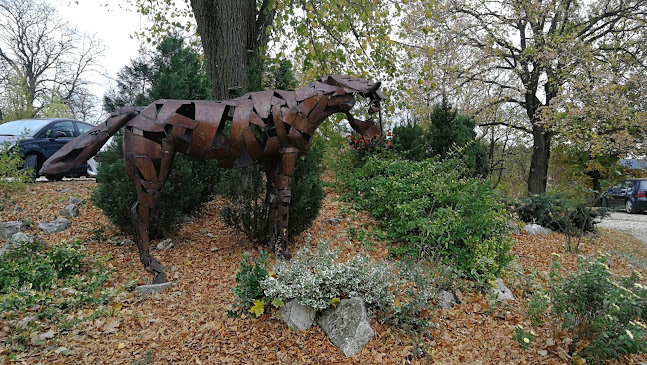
[(188, 323)]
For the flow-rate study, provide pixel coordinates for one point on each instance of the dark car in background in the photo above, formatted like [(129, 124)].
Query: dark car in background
[(38, 139), (630, 194)]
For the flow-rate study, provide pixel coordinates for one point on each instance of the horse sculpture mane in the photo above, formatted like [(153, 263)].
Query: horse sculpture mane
[(271, 127)]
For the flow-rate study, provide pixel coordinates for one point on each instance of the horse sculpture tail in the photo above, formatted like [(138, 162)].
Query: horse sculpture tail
[(82, 148)]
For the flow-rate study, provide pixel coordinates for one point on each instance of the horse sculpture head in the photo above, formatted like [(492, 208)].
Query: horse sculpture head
[(344, 97)]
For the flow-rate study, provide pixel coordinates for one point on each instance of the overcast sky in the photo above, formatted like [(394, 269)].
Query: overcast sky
[(113, 25)]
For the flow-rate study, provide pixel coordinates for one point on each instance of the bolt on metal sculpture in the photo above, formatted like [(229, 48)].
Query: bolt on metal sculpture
[(272, 127)]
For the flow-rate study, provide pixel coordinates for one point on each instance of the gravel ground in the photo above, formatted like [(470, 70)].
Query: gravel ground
[(634, 224)]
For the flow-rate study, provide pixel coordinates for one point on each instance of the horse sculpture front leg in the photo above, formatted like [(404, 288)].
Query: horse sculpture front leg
[(280, 198)]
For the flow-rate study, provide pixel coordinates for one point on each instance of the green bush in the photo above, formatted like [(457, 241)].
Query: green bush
[(248, 209), (432, 208), (605, 312), (410, 141), (559, 213), (45, 287), (12, 175), (190, 184), (248, 282)]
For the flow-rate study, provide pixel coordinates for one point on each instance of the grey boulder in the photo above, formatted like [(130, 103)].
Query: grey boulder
[(70, 211), (55, 226), (8, 229), (298, 316), (347, 325)]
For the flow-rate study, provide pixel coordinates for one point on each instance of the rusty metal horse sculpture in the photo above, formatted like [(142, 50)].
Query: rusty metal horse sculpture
[(272, 127)]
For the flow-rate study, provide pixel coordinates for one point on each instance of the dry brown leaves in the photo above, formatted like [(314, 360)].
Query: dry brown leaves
[(188, 322)]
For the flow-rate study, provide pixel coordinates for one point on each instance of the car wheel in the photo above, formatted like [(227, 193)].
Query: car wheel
[(31, 163), (630, 206)]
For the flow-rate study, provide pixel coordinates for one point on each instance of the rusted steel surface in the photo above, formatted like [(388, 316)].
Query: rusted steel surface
[(272, 127)]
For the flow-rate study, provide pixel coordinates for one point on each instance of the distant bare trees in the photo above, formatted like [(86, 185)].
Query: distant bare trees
[(44, 62)]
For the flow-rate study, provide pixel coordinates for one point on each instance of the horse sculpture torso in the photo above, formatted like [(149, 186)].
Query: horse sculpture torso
[(271, 127)]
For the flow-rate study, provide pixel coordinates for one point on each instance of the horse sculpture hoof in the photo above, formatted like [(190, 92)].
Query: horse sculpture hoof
[(286, 254), (160, 278)]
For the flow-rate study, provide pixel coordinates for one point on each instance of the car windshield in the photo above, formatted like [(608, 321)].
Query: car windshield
[(27, 127), (642, 185)]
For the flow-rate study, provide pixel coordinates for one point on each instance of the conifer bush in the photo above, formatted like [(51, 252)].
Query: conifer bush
[(190, 184)]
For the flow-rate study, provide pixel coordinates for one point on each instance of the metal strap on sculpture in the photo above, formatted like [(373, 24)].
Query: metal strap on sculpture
[(272, 127)]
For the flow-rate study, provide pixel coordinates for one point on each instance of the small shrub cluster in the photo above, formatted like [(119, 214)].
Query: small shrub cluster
[(558, 212), (248, 282), (12, 175), (190, 184), (246, 189), (315, 278), (48, 284), (605, 314), (433, 209)]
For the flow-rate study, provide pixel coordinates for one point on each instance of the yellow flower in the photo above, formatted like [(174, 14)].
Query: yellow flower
[(526, 340)]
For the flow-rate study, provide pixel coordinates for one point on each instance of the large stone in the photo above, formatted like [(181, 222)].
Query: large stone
[(70, 211), (501, 291), (126, 242), (347, 325), (153, 288), (56, 226), (16, 241), (8, 229), (333, 221), (298, 316), (166, 244), (535, 229), (74, 200)]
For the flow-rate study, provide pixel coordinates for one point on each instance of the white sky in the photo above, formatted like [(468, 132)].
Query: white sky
[(113, 25)]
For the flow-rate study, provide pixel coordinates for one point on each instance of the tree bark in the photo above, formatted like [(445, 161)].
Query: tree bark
[(232, 31), (538, 177)]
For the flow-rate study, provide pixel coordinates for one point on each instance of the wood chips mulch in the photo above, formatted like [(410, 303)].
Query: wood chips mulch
[(188, 323)]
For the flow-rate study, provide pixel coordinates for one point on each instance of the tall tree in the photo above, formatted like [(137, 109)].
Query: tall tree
[(43, 54), (324, 36), (526, 52)]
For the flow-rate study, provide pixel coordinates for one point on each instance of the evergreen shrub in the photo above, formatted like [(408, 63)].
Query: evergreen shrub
[(248, 209), (558, 212), (190, 184), (434, 209)]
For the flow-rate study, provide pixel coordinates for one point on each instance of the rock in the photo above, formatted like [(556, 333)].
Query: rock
[(298, 316), (56, 226), (8, 229), (446, 299), (153, 288), (17, 240), (501, 291), (187, 219), (74, 200), (166, 244), (347, 326), (126, 242), (333, 221), (70, 211), (535, 229), (64, 191)]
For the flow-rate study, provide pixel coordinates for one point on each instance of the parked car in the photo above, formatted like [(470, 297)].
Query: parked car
[(38, 139), (630, 194)]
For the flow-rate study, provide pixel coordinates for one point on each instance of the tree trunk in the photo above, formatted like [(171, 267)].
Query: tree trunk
[(229, 37), (538, 177)]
